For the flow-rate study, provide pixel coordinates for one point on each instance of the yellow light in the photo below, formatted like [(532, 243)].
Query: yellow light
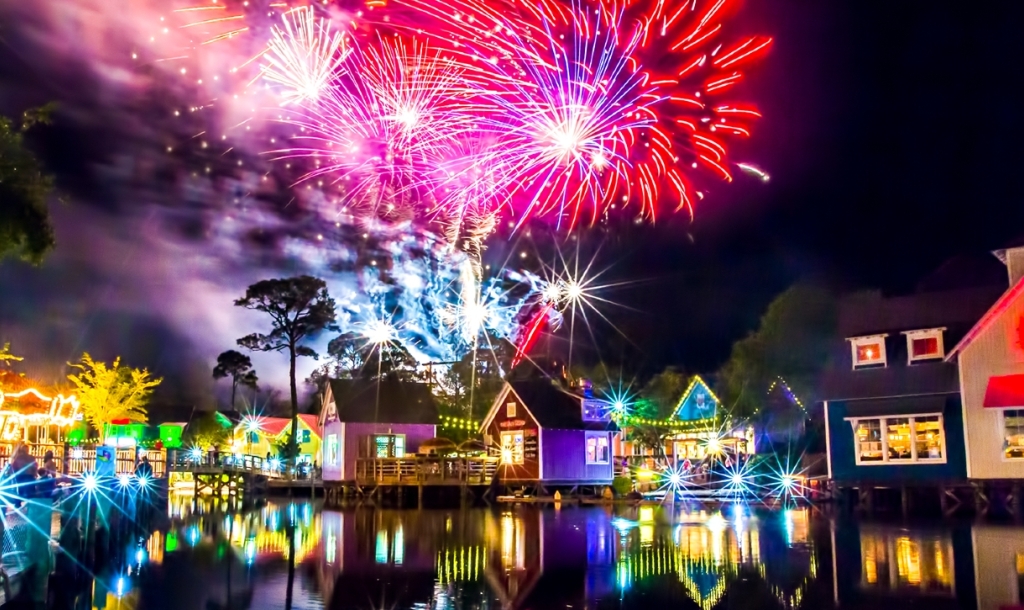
[(644, 474)]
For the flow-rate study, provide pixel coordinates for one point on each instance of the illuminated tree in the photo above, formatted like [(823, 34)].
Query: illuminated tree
[(25, 227), (6, 357), (108, 393), (207, 430), (238, 367), (299, 309)]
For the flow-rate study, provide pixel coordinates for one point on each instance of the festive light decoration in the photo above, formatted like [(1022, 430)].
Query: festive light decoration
[(781, 383), (63, 412), (457, 423)]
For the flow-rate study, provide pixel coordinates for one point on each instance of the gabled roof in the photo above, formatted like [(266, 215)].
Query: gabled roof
[(275, 426), (694, 407), (551, 405), (990, 316), (398, 402)]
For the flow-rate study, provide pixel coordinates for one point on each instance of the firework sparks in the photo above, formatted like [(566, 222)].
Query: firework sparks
[(303, 56)]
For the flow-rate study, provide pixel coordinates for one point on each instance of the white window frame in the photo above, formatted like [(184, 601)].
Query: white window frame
[(1002, 434), (501, 448), (597, 443), (883, 420), (856, 342), (510, 409), (929, 333), (333, 459)]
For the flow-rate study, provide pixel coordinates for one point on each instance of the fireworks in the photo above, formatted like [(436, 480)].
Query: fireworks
[(466, 110)]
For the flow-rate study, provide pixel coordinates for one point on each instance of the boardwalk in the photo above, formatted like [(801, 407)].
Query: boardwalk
[(418, 471)]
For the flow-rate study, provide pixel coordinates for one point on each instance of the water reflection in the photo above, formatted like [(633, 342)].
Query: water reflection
[(292, 555)]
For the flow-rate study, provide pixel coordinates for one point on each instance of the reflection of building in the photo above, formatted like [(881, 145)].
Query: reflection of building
[(362, 418), (881, 566), (999, 567), (549, 435)]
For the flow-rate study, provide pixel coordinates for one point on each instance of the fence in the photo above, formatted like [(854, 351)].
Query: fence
[(79, 460), (426, 470)]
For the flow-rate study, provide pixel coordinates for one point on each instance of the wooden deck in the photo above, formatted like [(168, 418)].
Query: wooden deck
[(418, 471)]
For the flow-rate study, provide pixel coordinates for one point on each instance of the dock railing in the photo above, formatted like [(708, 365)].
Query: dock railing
[(425, 470)]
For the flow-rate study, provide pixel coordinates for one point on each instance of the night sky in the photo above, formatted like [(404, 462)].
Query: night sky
[(891, 133)]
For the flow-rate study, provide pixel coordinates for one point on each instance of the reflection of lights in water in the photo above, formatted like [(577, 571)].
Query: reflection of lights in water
[(120, 586), (381, 550), (513, 542), (140, 556), (250, 551), (646, 514), (787, 523), (623, 525), (332, 547), (398, 546), (193, 535), (646, 534)]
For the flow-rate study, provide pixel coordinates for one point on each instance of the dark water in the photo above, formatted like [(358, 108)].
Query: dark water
[(293, 555)]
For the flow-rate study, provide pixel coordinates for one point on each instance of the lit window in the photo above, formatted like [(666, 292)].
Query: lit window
[(925, 345), (510, 409), (1013, 432), (597, 449), (512, 447), (903, 439), (869, 440), (596, 410), (332, 449), (868, 351), (389, 446)]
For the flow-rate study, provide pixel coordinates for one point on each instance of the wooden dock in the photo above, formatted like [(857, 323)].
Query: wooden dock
[(377, 478)]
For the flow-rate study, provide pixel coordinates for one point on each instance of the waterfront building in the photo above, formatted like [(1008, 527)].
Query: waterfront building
[(549, 435), (373, 419), (262, 436), (892, 399), (991, 361), (697, 429)]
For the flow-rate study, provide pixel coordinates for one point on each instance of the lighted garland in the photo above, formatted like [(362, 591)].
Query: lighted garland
[(458, 423)]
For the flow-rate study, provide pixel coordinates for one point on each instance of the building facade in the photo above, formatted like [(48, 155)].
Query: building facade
[(991, 361), (263, 436), (546, 434), (366, 419), (892, 400)]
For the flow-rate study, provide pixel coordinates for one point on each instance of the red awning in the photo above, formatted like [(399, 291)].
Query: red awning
[(1005, 391)]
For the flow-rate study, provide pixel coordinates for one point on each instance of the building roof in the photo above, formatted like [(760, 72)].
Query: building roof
[(400, 401), (990, 316), (274, 426), (866, 314), (554, 407)]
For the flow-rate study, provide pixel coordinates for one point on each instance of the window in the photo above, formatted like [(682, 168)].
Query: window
[(512, 447), (332, 449), (254, 437), (596, 410), (868, 351), (1013, 432), (925, 345), (869, 440), (305, 436), (597, 449), (902, 439), (389, 446), (510, 409)]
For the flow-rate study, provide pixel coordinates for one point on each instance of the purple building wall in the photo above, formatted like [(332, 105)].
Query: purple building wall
[(354, 434), (564, 458)]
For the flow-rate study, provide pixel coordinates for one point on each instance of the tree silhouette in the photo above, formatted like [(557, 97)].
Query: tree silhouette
[(238, 366), (299, 309), (25, 227)]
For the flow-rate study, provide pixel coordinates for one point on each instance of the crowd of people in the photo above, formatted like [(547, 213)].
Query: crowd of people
[(24, 478)]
